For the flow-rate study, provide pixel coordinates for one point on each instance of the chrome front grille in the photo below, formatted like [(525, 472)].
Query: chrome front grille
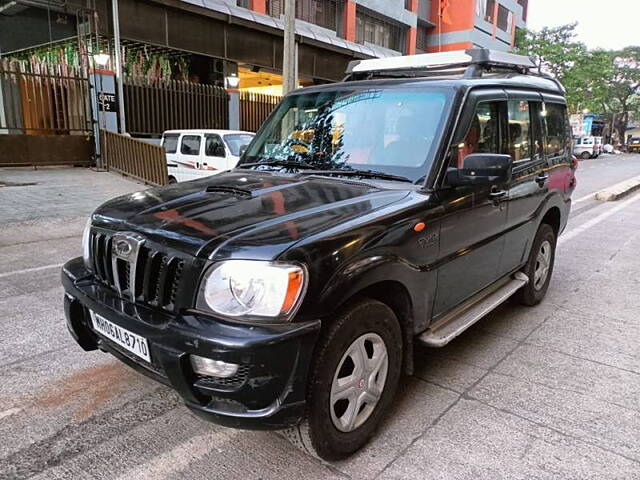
[(150, 276)]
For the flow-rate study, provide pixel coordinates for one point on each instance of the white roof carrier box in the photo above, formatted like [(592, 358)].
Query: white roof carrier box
[(443, 60)]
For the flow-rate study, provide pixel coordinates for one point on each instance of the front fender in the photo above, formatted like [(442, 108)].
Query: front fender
[(363, 273)]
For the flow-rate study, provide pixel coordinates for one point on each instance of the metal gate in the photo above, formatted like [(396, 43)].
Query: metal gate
[(153, 106), (255, 108), (45, 116)]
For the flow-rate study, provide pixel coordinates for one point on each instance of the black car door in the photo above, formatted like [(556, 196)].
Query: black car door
[(530, 175), (474, 217)]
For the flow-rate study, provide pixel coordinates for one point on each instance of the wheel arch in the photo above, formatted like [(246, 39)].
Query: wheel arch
[(553, 218), (395, 295)]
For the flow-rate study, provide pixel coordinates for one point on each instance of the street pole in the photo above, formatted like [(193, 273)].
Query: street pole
[(118, 65), (289, 66)]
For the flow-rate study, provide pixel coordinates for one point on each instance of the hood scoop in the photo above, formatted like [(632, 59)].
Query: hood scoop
[(231, 190)]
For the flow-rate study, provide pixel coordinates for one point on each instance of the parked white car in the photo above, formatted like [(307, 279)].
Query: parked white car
[(585, 148), (196, 153)]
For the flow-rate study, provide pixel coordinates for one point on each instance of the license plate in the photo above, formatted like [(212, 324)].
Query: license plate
[(123, 337)]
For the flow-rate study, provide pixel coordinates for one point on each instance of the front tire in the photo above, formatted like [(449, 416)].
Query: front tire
[(585, 155), (539, 267), (354, 377)]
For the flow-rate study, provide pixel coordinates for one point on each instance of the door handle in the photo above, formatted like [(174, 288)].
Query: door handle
[(542, 178)]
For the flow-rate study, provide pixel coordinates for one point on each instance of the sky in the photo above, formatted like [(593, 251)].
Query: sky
[(609, 24)]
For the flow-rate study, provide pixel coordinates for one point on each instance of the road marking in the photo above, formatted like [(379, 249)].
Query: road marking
[(594, 221), (28, 270), (8, 413)]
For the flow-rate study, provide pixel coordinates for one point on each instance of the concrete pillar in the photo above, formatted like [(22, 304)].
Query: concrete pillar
[(104, 107), (412, 40), (234, 109), (350, 21), (104, 99)]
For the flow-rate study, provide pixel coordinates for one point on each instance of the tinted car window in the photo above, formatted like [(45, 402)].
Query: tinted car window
[(213, 146), (519, 130), (190, 145), (537, 129), (483, 135), (555, 118), (170, 143)]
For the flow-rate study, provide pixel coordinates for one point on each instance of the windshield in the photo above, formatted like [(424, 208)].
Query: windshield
[(170, 143), (236, 141), (393, 131)]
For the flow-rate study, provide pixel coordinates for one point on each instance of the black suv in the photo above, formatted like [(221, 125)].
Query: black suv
[(398, 206)]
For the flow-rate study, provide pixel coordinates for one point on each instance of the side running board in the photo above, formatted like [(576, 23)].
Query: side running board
[(453, 324)]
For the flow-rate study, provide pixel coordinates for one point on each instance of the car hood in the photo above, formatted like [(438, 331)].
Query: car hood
[(253, 214)]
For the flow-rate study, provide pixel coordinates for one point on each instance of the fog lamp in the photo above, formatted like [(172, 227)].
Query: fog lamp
[(213, 368)]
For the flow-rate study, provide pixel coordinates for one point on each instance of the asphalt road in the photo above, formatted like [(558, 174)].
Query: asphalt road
[(545, 392)]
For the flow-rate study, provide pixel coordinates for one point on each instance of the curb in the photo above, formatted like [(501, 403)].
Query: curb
[(622, 189)]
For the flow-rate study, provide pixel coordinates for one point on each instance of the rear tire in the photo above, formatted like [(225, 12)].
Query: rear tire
[(172, 180), (585, 155), (353, 379), (539, 267)]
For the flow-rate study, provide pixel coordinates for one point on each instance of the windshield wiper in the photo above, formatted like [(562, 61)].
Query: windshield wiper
[(361, 173), (280, 163)]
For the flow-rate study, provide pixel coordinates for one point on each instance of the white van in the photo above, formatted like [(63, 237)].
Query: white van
[(196, 153), (585, 148)]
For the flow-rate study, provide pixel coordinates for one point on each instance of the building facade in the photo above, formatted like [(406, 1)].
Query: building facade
[(407, 27), (205, 40)]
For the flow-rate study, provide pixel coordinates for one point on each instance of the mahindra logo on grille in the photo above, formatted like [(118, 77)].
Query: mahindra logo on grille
[(122, 248), (125, 248)]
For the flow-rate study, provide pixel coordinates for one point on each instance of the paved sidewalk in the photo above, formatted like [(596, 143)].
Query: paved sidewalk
[(49, 193)]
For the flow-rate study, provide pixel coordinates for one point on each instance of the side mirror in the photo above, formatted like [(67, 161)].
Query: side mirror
[(481, 169)]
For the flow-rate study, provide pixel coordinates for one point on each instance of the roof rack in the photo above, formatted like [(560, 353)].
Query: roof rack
[(454, 59), (471, 63)]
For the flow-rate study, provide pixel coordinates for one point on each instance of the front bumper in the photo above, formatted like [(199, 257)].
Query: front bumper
[(268, 392)]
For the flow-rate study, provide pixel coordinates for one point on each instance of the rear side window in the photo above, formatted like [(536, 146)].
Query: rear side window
[(519, 130), (556, 130), (170, 143), (190, 145)]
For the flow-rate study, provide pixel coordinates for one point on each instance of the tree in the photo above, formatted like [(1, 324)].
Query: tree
[(555, 49), (557, 53), (601, 81), (624, 87)]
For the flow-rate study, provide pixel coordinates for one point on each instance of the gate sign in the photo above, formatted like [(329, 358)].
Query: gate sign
[(104, 100), (107, 102)]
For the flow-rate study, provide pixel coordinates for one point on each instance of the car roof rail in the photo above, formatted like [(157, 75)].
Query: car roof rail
[(471, 63)]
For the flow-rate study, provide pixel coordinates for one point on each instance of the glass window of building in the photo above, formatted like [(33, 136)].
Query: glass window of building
[(323, 13), (371, 28), (504, 18), (489, 9), (524, 5), (421, 38)]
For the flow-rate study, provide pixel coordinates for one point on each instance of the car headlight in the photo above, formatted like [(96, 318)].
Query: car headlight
[(86, 249), (248, 288)]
